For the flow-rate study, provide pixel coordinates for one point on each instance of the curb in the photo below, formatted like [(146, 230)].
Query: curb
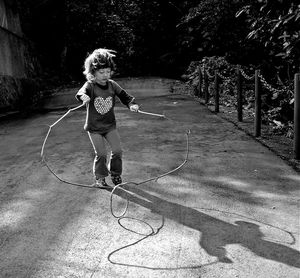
[(10, 115)]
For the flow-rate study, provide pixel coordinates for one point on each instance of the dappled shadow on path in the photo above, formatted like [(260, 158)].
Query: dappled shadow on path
[(216, 234)]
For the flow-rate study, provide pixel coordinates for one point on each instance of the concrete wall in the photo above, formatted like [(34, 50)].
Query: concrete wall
[(12, 55), (11, 42), (17, 64)]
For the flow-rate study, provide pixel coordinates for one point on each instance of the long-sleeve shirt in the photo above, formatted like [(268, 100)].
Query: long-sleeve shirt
[(100, 116)]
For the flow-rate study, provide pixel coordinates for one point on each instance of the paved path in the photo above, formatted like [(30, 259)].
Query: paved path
[(230, 211)]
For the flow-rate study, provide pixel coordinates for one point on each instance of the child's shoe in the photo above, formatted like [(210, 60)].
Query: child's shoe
[(116, 179), (101, 183)]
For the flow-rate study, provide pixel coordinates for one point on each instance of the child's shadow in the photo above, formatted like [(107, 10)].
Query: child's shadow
[(215, 233)]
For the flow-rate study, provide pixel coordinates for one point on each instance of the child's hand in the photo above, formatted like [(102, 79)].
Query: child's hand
[(85, 98), (134, 107)]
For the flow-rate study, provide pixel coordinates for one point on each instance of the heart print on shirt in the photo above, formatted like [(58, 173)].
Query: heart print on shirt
[(103, 105)]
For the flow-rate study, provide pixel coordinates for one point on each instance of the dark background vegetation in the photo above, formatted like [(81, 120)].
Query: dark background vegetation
[(163, 38)]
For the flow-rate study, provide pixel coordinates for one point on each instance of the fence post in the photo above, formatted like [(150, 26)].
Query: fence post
[(216, 92), (200, 82), (297, 116), (206, 93), (239, 95), (257, 120)]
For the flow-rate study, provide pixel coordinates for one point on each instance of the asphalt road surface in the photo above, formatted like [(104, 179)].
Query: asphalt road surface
[(232, 210)]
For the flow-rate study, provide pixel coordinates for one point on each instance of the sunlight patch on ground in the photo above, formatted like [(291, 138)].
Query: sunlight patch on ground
[(269, 195), (294, 177), (34, 193), (172, 180), (14, 212), (233, 182)]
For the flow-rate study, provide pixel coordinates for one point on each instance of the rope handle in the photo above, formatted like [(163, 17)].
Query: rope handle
[(151, 114)]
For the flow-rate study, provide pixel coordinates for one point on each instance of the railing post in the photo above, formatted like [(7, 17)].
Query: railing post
[(297, 116), (257, 120), (239, 95), (216, 92), (206, 93), (200, 82)]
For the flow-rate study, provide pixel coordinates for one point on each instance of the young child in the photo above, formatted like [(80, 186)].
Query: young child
[(99, 93)]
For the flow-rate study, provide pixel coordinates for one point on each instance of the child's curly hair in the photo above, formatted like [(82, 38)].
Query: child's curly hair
[(100, 58)]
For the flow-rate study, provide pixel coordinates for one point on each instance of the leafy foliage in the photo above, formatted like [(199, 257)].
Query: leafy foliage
[(276, 26), (142, 32), (277, 105), (211, 28), (163, 37), (94, 24), (159, 36)]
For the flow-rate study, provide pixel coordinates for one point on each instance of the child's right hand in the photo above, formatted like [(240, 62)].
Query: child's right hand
[(85, 98)]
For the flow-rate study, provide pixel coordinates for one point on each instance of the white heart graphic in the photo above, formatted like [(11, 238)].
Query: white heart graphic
[(103, 105)]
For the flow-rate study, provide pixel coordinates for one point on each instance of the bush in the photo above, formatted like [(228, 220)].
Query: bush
[(277, 104)]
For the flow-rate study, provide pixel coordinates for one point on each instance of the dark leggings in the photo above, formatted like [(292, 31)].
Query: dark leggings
[(100, 168)]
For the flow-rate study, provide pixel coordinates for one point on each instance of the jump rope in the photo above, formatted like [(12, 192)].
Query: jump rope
[(120, 186)]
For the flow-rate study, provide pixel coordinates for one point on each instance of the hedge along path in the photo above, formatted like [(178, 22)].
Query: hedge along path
[(259, 81)]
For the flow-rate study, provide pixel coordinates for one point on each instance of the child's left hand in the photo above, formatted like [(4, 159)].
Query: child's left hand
[(134, 107)]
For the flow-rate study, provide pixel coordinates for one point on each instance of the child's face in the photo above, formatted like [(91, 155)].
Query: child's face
[(102, 75)]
